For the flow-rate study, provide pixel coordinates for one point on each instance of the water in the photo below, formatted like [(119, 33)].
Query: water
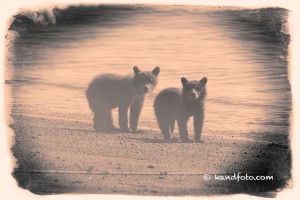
[(248, 88)]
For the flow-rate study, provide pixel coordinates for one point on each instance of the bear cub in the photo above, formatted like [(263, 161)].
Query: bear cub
[(172, 105), (109, 91)]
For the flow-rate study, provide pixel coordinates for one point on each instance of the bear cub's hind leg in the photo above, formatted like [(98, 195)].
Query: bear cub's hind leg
[(198, 124), (109, 122), (103, 121), (99, 122), (97, 125)]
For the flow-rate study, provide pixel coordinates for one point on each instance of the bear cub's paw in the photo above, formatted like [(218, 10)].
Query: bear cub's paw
[(126, 130), (199, 141), (185, 140)]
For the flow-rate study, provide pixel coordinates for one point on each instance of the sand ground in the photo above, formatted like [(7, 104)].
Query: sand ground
[(68, 156)]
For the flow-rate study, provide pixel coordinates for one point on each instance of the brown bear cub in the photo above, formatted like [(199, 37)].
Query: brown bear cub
[(109, 91), (172, 105)]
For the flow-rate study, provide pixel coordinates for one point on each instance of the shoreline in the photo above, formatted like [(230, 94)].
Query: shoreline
[(65, 156)]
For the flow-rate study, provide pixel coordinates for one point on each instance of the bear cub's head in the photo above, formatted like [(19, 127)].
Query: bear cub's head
[(145, 81), (194, 90)]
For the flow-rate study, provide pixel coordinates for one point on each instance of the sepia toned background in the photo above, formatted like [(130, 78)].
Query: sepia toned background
[(243, 52)]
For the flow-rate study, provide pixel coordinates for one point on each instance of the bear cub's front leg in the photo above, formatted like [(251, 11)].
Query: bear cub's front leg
[(198, 124), (135, 111), (123, 119)]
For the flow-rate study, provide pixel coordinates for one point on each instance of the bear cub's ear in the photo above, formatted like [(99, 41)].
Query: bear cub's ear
[(203, 81), (184, 80), (156, 71), (136, 70)]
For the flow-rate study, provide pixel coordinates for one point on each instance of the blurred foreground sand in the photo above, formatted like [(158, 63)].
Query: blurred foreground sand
[(65, 156)]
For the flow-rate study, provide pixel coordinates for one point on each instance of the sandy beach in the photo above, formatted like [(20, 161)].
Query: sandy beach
[(65, 156)]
